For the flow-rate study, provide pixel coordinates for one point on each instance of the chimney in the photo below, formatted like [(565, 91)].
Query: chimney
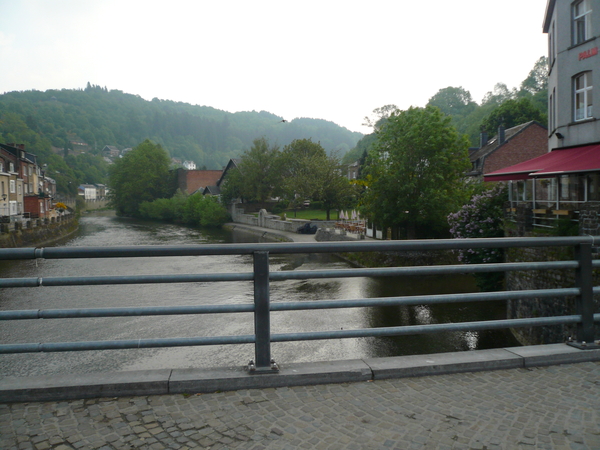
[(501, 135), (483, 139)]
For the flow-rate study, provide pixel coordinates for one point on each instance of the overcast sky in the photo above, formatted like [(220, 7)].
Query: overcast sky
[(325, 59)]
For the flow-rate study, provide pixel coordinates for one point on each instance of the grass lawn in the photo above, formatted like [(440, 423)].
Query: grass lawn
[(310, 214)]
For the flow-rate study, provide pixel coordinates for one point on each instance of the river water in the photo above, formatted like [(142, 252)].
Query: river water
[(108, 230)]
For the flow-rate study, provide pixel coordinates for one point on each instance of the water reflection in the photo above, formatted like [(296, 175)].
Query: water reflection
[(107, 230)]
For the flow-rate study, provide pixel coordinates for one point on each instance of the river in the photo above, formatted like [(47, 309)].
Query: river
[(107, 230)]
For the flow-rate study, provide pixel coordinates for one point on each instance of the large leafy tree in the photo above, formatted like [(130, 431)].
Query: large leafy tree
[(537, 80), (415, 171), (453, 101), (257, 173), (301, 167), (512, 113), (335, 190), (142, 175)]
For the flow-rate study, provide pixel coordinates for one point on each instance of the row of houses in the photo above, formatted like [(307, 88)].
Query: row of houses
[(25, 190)]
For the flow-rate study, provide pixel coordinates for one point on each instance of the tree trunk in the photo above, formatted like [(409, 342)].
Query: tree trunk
[(411, 231)]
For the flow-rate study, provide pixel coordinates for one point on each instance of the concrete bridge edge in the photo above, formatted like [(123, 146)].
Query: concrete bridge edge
[(195, 381)]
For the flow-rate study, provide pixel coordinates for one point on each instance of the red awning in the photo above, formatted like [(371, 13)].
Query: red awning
[(557, 162)]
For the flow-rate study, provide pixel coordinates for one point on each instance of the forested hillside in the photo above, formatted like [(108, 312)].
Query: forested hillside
[(501, 106), (67, 129)]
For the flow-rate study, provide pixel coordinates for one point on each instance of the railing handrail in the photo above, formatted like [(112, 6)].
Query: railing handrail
[(290, 247), (261, 275)]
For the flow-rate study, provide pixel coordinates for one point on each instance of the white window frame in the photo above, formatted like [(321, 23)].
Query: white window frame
[(582, 95), (11, 167), (552, 45), (582, 21), (13, 186), (551, 113)]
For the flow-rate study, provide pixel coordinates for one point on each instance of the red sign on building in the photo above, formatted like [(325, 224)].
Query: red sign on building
[(588, 53)]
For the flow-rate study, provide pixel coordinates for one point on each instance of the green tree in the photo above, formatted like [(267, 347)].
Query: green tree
[(301, 168), (537, 80), (415, 171), (335, 190), (512, 113), (142, 175), (500, 94), (258, 173), (453, 101)]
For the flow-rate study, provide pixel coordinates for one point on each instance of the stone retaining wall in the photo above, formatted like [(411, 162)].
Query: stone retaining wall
[(274, 222), (328, 235), (589, 224), (42, 234)]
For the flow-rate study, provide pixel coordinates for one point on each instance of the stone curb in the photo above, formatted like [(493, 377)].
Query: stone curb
[(177, 381)]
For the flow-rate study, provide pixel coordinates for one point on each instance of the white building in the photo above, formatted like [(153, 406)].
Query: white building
[(189, 165), (87, 191)]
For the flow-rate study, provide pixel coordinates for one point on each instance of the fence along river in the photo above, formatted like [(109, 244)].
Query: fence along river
[(108, 230)]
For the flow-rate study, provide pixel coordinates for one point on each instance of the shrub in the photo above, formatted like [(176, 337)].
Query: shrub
[(195, 210), (482, 217)]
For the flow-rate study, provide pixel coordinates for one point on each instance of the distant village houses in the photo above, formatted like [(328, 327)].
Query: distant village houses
[(25, 190), (92, 192)]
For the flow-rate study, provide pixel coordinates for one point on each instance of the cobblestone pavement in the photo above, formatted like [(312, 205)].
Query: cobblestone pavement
[(555, 407)]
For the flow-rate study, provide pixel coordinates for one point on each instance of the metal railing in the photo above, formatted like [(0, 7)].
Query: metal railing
[(583, 265)]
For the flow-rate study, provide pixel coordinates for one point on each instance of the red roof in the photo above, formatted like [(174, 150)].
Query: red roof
[(557, 162)]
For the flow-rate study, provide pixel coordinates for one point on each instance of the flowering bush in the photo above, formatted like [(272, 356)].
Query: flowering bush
[(60, 207), (482, 217)]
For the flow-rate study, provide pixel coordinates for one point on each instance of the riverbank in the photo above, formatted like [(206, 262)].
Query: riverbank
[(42, 235), (364, 259), (270, 234)]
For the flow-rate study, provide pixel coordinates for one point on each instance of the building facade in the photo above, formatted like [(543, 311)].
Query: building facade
[(508, 147), (573, 29), (566, 180)]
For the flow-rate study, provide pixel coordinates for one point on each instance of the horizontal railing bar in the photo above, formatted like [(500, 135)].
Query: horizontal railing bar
[(124, 312), (422, 299), (425, 329), (289, 337), (286, 275), (130, 279), (290, 247), (420, 270), (283, 306), (124, 344)]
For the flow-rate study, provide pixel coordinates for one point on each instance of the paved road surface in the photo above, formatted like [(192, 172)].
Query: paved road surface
[(555, 407)]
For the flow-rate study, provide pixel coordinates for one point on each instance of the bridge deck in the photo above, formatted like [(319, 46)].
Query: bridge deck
[(529, 406)]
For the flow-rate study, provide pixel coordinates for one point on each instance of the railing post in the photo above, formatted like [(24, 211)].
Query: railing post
[(262, 318), (585, 299)]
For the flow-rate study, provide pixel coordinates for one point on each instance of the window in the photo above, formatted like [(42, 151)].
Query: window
[(1, 167), (551, 113), (13, 186), (551, 45), (583, 96), (593, 187), (582, 21), (11, 167)]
